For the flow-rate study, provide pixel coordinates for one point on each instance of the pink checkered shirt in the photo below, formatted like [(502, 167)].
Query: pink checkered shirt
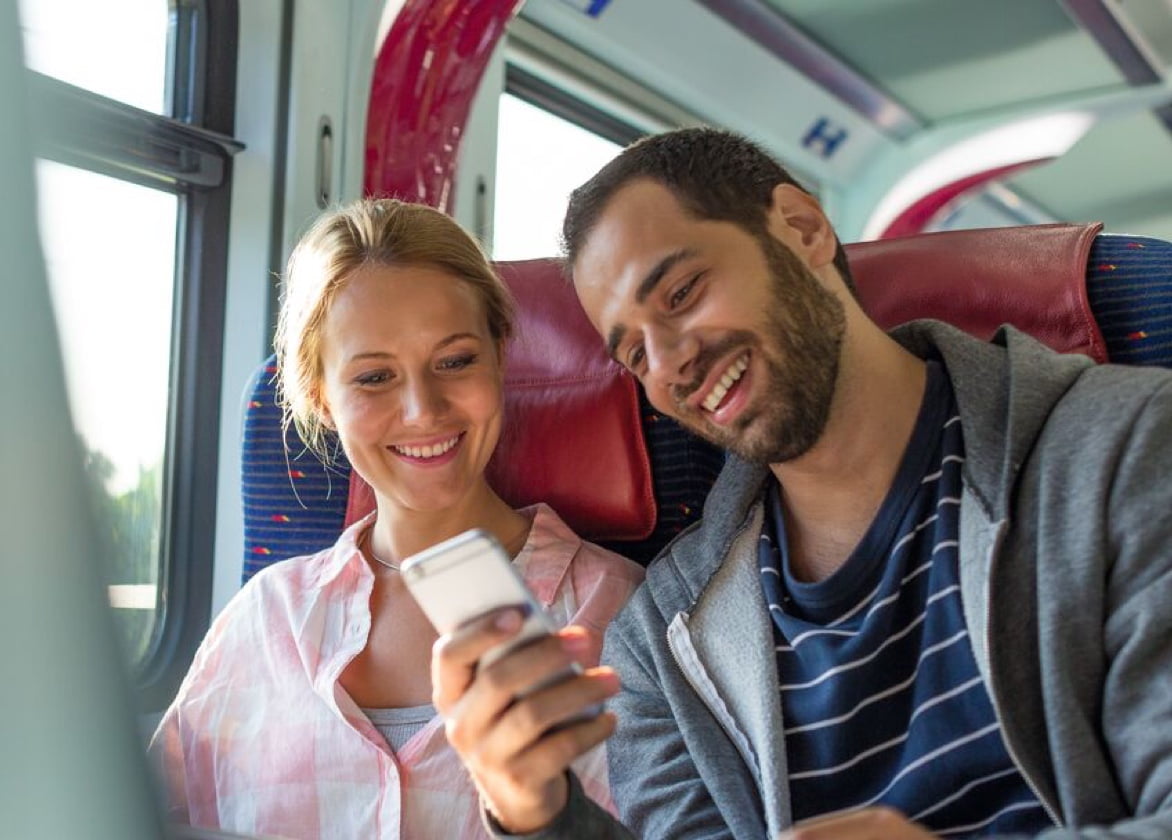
[(262, 739)]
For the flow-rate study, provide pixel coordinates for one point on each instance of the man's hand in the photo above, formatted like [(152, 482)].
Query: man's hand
[(864, 824), (517, 763)]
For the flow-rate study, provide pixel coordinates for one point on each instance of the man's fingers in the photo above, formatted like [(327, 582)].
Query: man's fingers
[(454, 655)]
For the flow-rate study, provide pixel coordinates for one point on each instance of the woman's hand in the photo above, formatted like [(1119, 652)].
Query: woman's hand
[(516, 757)]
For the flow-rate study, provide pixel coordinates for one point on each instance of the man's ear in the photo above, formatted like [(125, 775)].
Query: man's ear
[(795, 217)]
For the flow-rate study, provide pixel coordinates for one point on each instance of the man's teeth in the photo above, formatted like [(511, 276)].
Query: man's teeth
[(734, 372), (427, 451)]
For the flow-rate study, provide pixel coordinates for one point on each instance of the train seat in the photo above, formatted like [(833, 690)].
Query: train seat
[(578, 435), (581, 437)]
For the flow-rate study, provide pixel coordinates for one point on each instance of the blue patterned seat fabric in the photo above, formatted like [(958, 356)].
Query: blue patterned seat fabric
[(293, 504), (1129, 286)]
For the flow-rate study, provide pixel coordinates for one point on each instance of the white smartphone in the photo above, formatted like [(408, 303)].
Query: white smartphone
[(467, 576)]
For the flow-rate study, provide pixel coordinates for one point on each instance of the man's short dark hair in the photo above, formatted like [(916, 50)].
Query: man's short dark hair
[(716, 175)]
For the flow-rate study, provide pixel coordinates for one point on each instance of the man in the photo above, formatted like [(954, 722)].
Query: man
[(929, 593)]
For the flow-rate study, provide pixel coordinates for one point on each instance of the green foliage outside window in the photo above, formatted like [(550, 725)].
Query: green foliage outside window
[(128, 521)]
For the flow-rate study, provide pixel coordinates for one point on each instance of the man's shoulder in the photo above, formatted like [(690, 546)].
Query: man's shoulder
[(676, 578), (683, 566), (662, 594), (1034, 393), (1107, 398), (1137, 381), (1107, 441)]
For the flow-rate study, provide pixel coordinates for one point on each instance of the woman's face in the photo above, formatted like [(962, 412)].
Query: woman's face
[(411, 381)]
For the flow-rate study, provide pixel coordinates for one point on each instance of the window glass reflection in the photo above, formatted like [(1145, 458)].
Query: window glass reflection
[(110, 255)]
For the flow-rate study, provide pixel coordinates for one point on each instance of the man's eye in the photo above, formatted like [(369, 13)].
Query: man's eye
[(680, 294), (635, 357)]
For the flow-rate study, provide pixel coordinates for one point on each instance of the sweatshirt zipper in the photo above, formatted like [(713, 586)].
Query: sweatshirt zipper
[(712, 700), (684, 618), (740, 741)]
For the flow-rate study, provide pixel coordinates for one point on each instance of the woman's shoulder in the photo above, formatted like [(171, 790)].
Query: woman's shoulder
[(284, 577), (285, 588), (259, 617), (609, 563), (577, 581)]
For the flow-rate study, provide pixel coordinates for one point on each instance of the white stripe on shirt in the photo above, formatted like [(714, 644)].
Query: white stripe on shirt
[(895, 637), (965, 829)]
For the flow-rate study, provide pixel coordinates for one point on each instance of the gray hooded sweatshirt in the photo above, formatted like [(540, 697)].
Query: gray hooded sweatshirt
[(1066, 581)]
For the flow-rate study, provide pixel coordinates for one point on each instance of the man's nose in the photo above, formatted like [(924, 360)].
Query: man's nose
[(670, 357)]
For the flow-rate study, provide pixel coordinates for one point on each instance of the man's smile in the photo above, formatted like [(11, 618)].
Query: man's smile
[(732, 374)]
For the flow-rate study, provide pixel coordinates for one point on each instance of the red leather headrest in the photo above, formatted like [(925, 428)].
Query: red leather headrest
[(572, 436), (1032, 277)]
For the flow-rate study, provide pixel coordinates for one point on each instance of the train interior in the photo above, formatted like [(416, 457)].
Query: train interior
[(906, 118)]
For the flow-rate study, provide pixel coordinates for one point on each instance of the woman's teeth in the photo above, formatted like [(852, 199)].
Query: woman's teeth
[(427, 451)]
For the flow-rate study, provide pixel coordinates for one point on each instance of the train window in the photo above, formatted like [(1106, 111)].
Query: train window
[(541, 157), (134, 149), (110, 255), (561, 115), (72, 41)]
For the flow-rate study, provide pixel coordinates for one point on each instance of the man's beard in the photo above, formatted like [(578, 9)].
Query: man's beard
[(803, 326)]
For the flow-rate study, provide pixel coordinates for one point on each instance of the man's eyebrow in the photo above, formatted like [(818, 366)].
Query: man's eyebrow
[(647, 286)]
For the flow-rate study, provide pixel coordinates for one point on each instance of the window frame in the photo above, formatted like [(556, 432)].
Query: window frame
[(540, 93), (188, 154)]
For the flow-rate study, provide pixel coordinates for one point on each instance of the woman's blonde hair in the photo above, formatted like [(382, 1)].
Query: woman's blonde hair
[(383, 232)]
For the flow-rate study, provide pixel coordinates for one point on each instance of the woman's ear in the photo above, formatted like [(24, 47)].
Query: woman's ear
[(795, 218), (323, 410)]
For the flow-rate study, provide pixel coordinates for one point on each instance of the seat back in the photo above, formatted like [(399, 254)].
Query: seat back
[(581, 437), (578, 435)]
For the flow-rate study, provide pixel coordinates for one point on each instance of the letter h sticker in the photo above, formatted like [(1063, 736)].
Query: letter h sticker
[(824, 138)]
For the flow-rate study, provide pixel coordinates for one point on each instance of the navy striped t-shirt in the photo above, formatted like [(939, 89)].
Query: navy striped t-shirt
[(880, 693)]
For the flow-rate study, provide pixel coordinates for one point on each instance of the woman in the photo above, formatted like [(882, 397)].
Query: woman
[(306, 711)]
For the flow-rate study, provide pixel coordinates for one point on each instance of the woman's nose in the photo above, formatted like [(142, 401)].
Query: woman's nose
[(422, 400)]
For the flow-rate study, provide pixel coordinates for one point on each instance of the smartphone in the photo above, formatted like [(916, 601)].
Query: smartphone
[(467, 576)]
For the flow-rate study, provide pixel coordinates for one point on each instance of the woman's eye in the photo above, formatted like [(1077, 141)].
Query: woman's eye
[(458, 362), (635, 357), (678, 296)]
